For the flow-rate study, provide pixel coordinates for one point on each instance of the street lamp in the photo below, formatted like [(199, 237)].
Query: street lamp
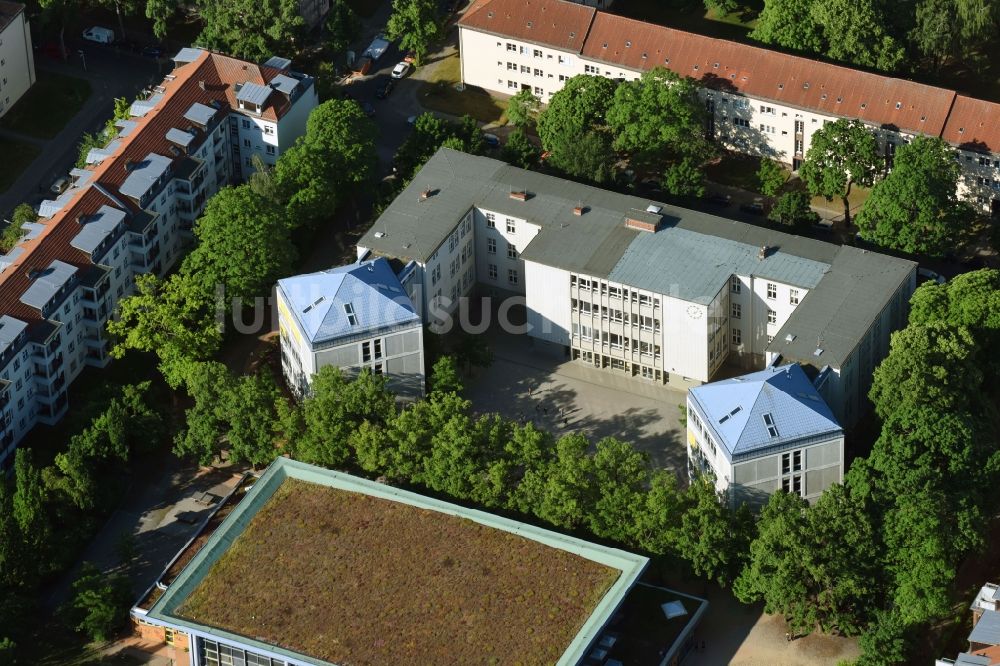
[(82, 58)]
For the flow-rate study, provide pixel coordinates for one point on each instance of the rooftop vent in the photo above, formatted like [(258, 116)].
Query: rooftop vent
[(427, 194), (653, 208), (899, 105), (129, 165), (790, 337), (628, 44), (33, 273), (805, 86), (201, 84), (818, 352), (762, 253), (529, 24), (781, 86), (572, 35), (579, 210), (314, 304), (379, 234), (520, 195)]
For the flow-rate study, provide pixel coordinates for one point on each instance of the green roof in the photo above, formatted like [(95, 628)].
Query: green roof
[(185, 597)]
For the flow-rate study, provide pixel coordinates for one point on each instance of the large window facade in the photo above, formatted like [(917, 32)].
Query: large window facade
[(213, 653)]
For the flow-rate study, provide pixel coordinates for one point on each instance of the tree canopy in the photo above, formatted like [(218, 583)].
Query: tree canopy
[(250, 29), (581, 104), (416, 24), (915, 208), (840, 154)]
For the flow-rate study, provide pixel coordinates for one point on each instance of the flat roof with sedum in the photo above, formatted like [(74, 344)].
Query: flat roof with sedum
[(320, 567)]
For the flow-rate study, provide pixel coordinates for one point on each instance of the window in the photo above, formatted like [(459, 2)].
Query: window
[(538, 91), (511, 66), (511, 251), (538, 72), (591, 69), (525, 69), (268, 129), (510, 226), (512, 47), (246, 143), (246, 124), (269, 150), (768, 110), (491, 220), (493, 271), (767, 129), (772, 316), (792, 484), (512, 84), (772, 429), (512, 276), (585, 332), (793, 296), (772, 290), (799, 126), (737, 336), (491, 245), (741, 122), (735, 285), (537, 53), (799, 146), (737, 310), (377, 347)]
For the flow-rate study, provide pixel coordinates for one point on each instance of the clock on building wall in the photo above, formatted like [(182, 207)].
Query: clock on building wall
[(694, 312)]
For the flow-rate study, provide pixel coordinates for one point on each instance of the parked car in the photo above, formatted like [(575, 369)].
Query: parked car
[(754, 208), (384, 89), (368, 109), (99, 35), (60, 186), (401, 69), (491, 140), (928, 274)]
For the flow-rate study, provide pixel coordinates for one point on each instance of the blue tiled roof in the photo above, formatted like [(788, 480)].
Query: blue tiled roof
[(762, 410), (323, 302)]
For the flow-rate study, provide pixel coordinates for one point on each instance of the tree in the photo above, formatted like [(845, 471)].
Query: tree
[(174, 318), (569, 492), (915, 208), (817, 566), (574, 110), (29, 503), (886, 641), (160, 12), (431, 133), (60, 13), (621, 475), (100, 604), (248, 409), (522, 108), (842, 153), (328, 163), (854, 32), (12, 234), (789, 23), (208, 383), (792, 208), (659, 116), (722, 7), (772, 177), (121, 7), (444, 376), (685, 178), (473, 351), (710, 537), (244, 246), (588, 157), (656, 523), (519, 150), (937, 31), (250, 29), (416, 24), (342, 26), (88, 142)]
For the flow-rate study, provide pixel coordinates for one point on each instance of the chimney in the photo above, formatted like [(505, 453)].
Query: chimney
[(129, 164), (426, 194), (762, 253), (519, 195), (579, 210)]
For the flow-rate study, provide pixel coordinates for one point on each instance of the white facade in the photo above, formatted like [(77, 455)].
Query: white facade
[(742, 123), (17, 61)]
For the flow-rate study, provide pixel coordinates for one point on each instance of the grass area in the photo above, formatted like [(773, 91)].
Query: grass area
[(859, 195), (17, 156), (736, 171), (438, 93), (341, 585), (48, 106)]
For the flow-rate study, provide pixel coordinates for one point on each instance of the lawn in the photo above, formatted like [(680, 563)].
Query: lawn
[(350, 578), (48, 106), (17, 156), (735, 170), (438, 93)]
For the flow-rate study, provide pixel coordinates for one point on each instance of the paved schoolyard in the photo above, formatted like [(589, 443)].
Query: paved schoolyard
[(569, 397)]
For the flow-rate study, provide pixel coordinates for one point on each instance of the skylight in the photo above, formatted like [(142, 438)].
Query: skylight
[(772, 430), (352, 319)]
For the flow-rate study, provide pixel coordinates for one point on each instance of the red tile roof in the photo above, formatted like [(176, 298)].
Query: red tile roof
[(973, 123), (550, 22), (211, 77), (761, 73)]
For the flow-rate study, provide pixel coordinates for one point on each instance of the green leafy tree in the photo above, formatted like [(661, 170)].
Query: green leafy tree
[(15, 557), (854, 31), (342, 26), (175, 318), (789, 23), (590, 157), (456, 457), (122, 9), (444, 376), (886, 641), (722, 7), (771, 176), (817, 566), (431, 133), (416, 25), (61, 14), (710, 537), (13, 232), (656, 523), (100, 604), (327, 164), (208, 383), (473, 351), (569, 492), (89, 141), (250, 29), (522, 108), (937, 31), (248, 409), (793, 208), (915, 207), (841, 153), (574, 110), (244, 246), (160, 12), (659, 116), (685, 178), (29, 503), (621, 476), (519, 150)]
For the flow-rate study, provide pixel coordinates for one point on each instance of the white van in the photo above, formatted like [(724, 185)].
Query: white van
[(99, 35)]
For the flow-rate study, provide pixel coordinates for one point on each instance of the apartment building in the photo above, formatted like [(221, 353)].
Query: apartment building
[(17, 61), (131, 211), (638, 287), (763, 432), (984, 639), (352, 317), (759, 101)]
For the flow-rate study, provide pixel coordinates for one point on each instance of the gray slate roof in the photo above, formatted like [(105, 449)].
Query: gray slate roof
[(284, 83), (200, 113), (144, 175), (253, 93), (10, 328), (689, 257), (180, 137), (96, 228), (987, 630), (47, 284)]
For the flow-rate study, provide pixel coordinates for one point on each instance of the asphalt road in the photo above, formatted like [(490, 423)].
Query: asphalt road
[(111, 74)]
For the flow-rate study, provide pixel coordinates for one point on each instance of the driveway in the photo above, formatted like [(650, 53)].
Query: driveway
[(110, 75)]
